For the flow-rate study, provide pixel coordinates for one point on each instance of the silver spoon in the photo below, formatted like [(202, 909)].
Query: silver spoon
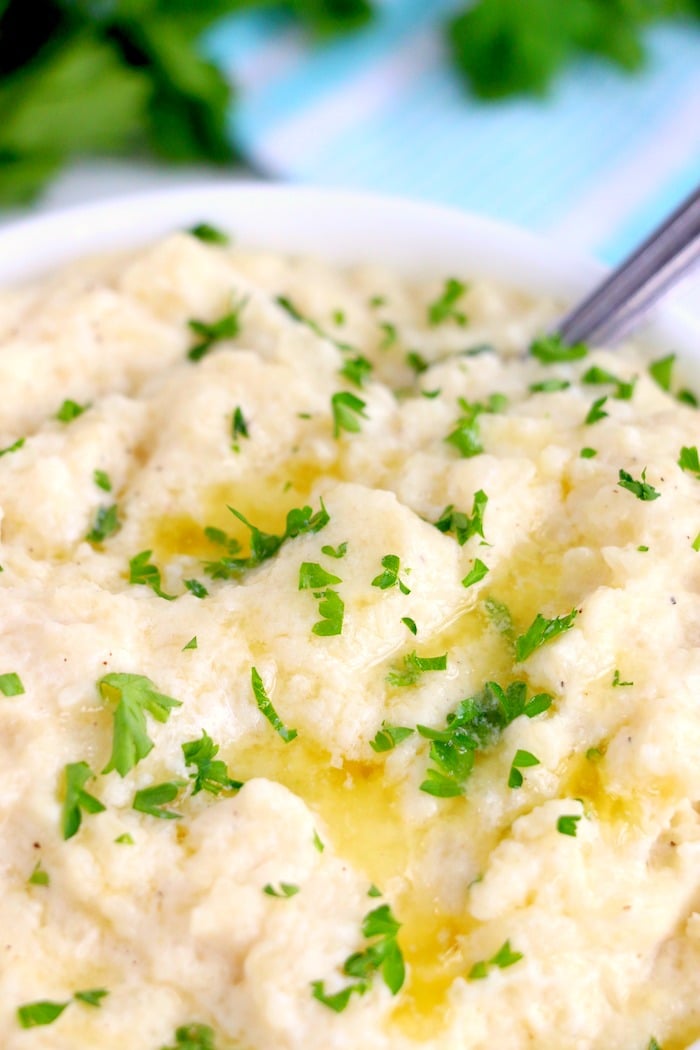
[(618, 303)]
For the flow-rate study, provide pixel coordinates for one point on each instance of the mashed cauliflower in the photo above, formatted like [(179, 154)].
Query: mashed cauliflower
[(349, 669)]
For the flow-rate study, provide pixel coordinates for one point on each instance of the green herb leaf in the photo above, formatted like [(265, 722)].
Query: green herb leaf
[(661, 371), (417, 362), (411, 624), (505, 956), (390, 334), (106, 523), (550, 350), (461, 524), (239, 428), (211, 333), (125, 839), (391, 564), (689, 460), (192, 644), (69, 411), (598, 376), (76, 798), (466, 437), (142, 571), (14, 447), (263, 545), (331, 609), (596, 411), (152, 800), (210, 773), (265, 707), (476, 573), (318, 844), (414, 666), (313, 576), (102, 480), (42, 1012), (193, 1036), (286, 889), (347, 411), (499, 615), (204, 231), (617, 680), (641, 489), (357, 370), (196, 588), (444, 308), (11, 684), (540, 631), (567, 825), (521, 760), (91, 996), (336, 1001), (389, 736), (335, 552), (549, 386), (696, 543), (38, 877), (588, 453), (134, 695)]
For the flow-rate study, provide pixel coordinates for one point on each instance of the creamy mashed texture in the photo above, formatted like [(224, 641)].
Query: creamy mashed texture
[(435, 602)]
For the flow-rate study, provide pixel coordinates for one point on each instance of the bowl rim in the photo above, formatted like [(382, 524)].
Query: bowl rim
[(416, 237)]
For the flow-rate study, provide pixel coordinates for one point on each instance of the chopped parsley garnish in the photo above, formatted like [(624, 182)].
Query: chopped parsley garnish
[(661, 371), (335, 552), (643, 548), (91, 996), (69, 411), (521, 760), (653, 1045), (389, 736), (286, 890), (382, 956), (417, 362), (461, 524), (42, 1012), (391, 563), (617, 681), (192, 644), (696, 543), (210, 333), (265, 707), (318, 844), (106, 523), (77, 798), (313, 577), (331, 609), (210, 773), (596, 412), (142, 571), (14, 447), (499, 615), (390, 334), (239, 428), (338, 317), (413, 667), (38, 877), (288, 306), (540, 631), (549, 386), (444, 308), (431, 394), (411, 624), (263, 545), (204, 231), (466, 437), (475, 725), (567, 825), (357, 370), (193, 1036), (550, 350), (504, 957), (588, 453), (102, 480), (11, 684), (152, 800), (125, 839), (689, 460), (374, 891), (597, 376), (347, 411), (196, 588), (641, 489), (134, 695), (687, 397), (476, 573), (376, 301)]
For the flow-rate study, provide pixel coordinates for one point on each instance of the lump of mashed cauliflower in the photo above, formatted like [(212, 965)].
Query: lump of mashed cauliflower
[(349, 669)]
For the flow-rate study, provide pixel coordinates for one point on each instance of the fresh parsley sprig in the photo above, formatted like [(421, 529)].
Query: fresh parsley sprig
[(382, 956), (134, 696)]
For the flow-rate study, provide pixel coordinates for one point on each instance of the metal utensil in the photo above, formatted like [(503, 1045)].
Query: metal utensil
[(618, 303)]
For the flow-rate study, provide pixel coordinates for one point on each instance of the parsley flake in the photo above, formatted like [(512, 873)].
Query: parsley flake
[(11, 684), (152, 800), (106, 523), (417, 362), (381, 956), (196, 588), (347, 411), (617, 681), (331, 608), (689, 460), (567, 825), (210, 333), (314, 577), (444, 308), (504, 957), (102, 480), (390, 335), (588, 453), (357, 370), (335, 552), (549, 386), (463, 525), (192, 644), (411, 624), (596, 412), (209, 234), (476, 573), (210, 773), (135, 695), (641, 489), (661, 371), (521, 760), (696, 543), (42, 1012), (318, 844), (413, 668), (38, 877), (391, 563), (389, 736), (265, 707), (142, 571), (14, 447), (193, 1036), (69, 411), (550, 350), (76, 798), (239, 428), (540, 631), (263, 545), (466, 436), (124, 839), (597, 376), (91, 996), (286, 890)]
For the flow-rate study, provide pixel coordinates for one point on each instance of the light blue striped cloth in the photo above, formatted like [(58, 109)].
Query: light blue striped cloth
[(599, 161)]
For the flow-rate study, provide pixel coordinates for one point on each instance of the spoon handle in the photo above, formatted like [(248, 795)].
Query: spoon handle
[(617, 304)]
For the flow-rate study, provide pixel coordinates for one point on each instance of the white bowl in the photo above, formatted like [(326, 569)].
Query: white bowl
[(413, 237)]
